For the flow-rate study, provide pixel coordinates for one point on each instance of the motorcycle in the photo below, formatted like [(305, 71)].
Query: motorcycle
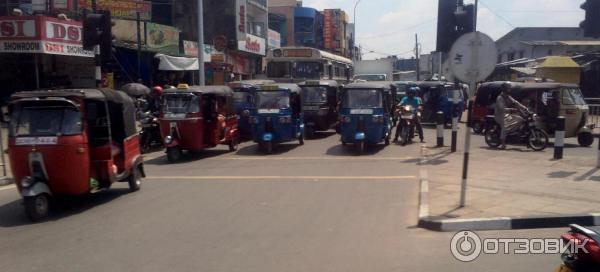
[(150, 137), (586, 257), (522, 127), (407, 123)]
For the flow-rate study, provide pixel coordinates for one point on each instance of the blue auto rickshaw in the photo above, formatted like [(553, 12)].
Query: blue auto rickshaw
[(366, 114), (244, 104), (438, 96), (319, 105), (277, 116)]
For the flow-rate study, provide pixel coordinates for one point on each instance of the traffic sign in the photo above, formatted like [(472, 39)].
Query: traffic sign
[(473, 57)]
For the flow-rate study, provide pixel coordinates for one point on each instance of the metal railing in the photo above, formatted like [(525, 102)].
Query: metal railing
[(594, 115)]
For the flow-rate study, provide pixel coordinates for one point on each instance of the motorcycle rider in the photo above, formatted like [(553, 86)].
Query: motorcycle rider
[(505, 104), (154, 99), (413, 100)]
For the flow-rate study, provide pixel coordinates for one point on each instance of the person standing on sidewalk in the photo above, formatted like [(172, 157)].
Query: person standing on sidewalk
[(505, 105)]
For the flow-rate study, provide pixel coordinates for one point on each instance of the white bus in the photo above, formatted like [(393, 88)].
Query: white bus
[(297, 64)]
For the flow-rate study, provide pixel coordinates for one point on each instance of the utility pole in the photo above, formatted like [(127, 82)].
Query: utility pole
[(417, 57), (97, 59), (139, 44), (201, 43)]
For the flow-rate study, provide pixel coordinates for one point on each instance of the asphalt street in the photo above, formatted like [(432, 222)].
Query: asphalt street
[(316, 207)]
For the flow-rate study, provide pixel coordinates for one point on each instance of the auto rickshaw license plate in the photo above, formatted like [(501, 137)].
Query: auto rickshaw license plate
[(36, 141), (361, 111)]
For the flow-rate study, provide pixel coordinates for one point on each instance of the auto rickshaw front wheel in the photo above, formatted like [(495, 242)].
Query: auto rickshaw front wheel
[(37, 207), (585, 139), (478, 127), (301, 139), (233, 144), (360, 147), (267, 147), (173, 154), (135, 180)]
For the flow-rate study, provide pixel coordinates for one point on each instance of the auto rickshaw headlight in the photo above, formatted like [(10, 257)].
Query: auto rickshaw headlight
[(27, 182), (285, 120), (168, 140), (378, 119)]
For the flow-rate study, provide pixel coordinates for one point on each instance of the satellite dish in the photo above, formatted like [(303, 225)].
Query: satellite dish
[(473, 57)]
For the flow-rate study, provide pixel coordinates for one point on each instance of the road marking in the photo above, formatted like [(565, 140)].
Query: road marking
[(9, 187), (323, 158), (282, 177)]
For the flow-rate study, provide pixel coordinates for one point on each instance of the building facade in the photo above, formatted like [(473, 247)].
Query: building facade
[(539, 42)]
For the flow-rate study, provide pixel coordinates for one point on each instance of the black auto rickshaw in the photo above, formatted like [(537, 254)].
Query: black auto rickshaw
[(438, 96), (320, 102)]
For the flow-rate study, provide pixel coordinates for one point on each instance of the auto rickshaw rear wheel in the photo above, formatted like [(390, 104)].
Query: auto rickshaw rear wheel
[(37, 207), (585, 139), (310, 132), (233, 144), (173, 154), (135, 180)]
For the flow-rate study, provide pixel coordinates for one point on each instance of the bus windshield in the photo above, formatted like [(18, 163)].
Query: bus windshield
[(314, 94), (272, 100), (362, 98), (181, 103), (308, 69), (279, 70), (34, 120), (381, 77)]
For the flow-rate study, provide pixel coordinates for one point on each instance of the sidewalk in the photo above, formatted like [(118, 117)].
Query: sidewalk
[(507, 188)]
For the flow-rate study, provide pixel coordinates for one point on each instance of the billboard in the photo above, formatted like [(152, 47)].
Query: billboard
[(122, 9)]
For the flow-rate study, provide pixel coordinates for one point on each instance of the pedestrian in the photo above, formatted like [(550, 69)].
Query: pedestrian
[(505, 104)]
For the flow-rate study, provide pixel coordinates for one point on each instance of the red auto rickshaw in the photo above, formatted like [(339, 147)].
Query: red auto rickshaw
[(72, 142), (194, 118)]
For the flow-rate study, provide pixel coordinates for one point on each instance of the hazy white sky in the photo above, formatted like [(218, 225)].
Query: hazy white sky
[(389, 26)]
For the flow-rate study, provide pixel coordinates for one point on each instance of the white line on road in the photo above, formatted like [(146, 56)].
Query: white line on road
[(9, 187), (281, 177), (323, 158)]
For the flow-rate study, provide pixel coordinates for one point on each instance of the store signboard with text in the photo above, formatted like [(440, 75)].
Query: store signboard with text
[(41, 35), (122, 9)]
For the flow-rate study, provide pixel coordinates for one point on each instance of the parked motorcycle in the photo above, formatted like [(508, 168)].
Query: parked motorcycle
[(582, 260), (522, 127), (150, 137)]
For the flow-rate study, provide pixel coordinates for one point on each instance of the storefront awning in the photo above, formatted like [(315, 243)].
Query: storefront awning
[(170, 63)]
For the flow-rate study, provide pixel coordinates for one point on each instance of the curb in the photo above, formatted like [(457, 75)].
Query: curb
[(6, 181), (494, 223)]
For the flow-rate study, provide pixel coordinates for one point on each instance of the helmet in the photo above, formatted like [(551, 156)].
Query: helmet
[(412, 91), (157, 90)]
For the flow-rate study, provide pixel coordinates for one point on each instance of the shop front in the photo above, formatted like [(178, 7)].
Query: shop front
[(43, 52)]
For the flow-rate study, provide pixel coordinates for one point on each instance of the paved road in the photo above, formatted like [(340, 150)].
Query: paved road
[(311, 208)]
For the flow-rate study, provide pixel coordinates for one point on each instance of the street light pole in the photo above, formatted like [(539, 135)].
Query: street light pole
[(201, 42), (354, 21)]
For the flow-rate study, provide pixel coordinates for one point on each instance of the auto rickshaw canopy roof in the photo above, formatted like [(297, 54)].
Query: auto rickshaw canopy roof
[(488, 92), (293, 88), (119, 103), (387, 85), (250, 83), (216, 90), (328, 83)]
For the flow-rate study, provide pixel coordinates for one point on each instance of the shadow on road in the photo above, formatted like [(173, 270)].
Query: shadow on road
[(13, 214), (561, 174), (278, 149), (189, 157), (433, 159), (319, 135), (349, 150)]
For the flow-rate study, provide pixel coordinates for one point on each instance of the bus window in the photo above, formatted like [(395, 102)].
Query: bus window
[(278, 69), (308, 69)]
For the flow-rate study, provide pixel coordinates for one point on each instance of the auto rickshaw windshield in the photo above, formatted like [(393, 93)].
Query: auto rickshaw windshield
[(242, 96), (314, 94), (181, 103), (360, 99), (54, 119), (272, 100), (573, 97)]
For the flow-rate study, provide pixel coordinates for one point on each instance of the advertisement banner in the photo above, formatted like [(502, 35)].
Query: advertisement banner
[(57, 37), (190, 49), (123, 9), (240, 19), (253, 44), (274, 39), (162, 39), (125, 30), (328, 29)]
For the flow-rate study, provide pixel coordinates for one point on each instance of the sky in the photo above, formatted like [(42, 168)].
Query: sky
[(388, 27)]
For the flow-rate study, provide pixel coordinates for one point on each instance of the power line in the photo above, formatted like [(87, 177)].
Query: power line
[(398, 31), (496, 14)]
